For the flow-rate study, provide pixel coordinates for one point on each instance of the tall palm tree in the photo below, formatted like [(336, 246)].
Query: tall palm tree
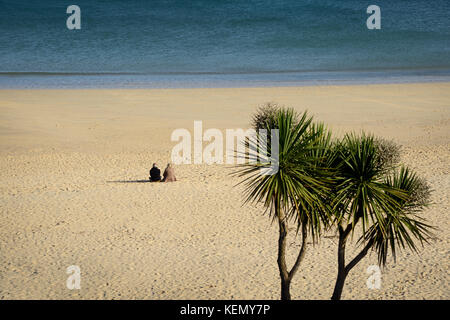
[(295, 191), (385, 205)]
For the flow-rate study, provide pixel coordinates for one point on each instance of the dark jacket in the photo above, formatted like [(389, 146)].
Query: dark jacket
[(155, 174)]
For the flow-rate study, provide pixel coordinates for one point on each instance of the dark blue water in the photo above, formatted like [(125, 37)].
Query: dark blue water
[(196, 43)]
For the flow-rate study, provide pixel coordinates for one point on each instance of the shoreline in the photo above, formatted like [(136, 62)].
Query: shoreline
[(200, 80)]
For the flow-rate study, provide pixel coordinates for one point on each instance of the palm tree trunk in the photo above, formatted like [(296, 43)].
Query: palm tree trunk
[(284, 274), (342, 273), (343, 270), (301, 253), (339, 286), (285, 289)]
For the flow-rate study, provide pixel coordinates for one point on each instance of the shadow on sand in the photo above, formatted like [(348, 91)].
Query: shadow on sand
[(129, 181)]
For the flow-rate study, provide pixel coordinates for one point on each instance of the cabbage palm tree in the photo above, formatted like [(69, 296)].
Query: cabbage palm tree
[(383, 203), (406, 226), (295, 192)]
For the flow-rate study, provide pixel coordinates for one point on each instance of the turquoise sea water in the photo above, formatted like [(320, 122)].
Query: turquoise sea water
[(207, 43)]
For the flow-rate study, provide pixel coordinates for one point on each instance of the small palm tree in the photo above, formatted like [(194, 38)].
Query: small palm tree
[(406, 225), (295, 191), (383, 203)]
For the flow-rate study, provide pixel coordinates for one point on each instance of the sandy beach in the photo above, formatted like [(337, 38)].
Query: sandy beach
[(73, 165)]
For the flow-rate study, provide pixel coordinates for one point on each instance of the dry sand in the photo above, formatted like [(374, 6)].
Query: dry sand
[(66, 155)]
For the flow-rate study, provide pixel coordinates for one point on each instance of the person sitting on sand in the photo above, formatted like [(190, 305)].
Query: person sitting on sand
[(169, 174), (155, 173)]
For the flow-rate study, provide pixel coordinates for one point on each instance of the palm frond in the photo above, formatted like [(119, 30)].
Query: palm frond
[(299, 187), (403, 228)]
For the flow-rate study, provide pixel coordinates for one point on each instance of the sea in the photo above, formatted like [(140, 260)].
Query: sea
[(221, 43)]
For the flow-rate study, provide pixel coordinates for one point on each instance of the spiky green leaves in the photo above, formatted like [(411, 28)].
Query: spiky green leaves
[(383, 200), (361, 196), (300, 185), (403, 228)]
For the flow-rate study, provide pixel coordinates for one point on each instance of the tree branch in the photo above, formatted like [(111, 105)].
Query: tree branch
[(360, 255), (301, 253)]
